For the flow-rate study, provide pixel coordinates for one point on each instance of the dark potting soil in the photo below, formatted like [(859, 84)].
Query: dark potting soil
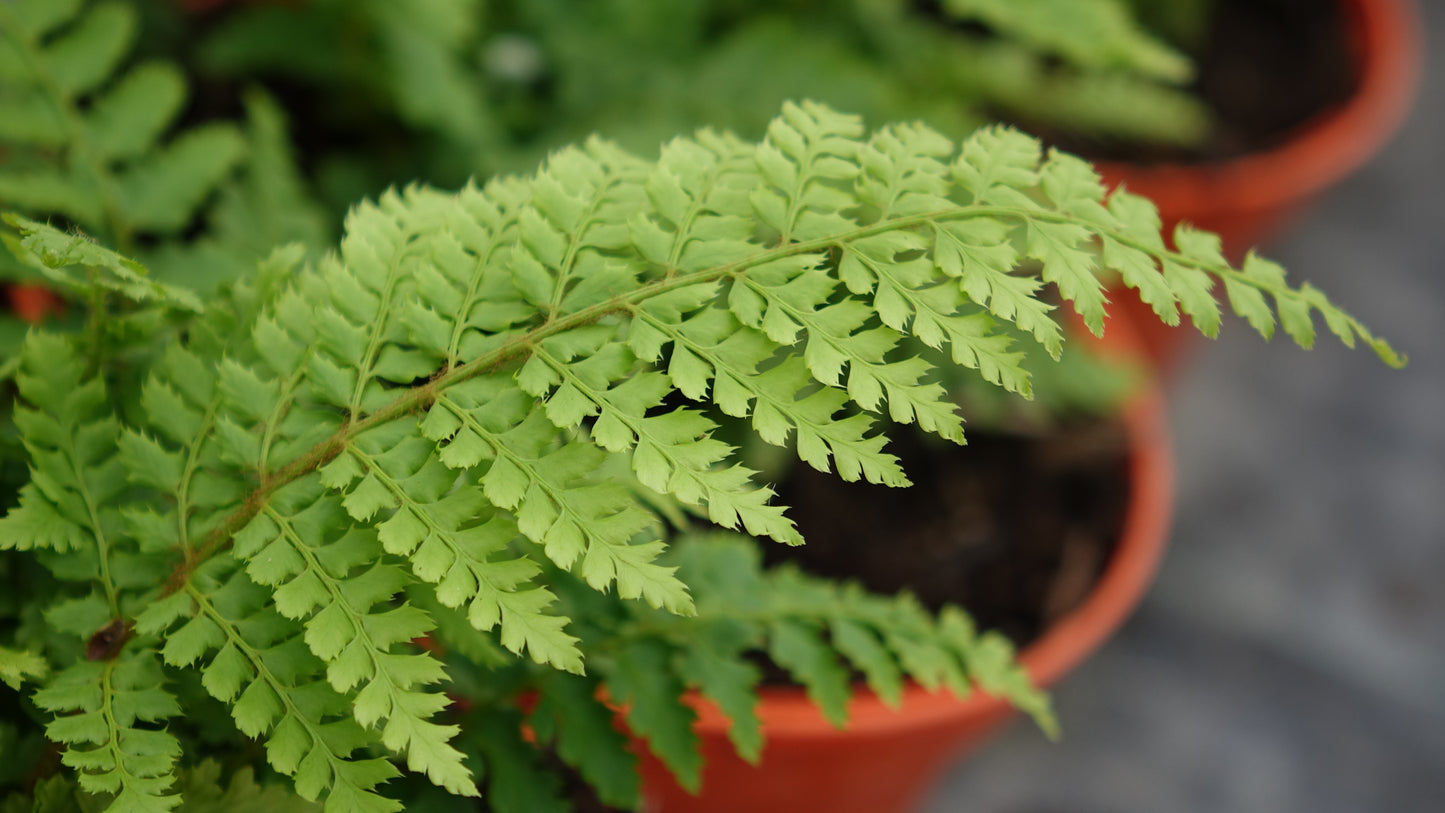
[(1264, 68), (1016, 529)]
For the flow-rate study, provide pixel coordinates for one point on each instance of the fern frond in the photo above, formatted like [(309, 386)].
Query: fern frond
[(519, 782), (571, 716), (19, 665), (442, 409), (98, 706), (345, 628), (205, 791), (200, 787), (815, 629), (70, 506), (310, 735), (58, 254)]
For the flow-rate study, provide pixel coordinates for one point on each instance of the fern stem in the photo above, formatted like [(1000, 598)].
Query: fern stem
[(575, 243), (107, 709), (363, 373), (102, 544), (273, 421)]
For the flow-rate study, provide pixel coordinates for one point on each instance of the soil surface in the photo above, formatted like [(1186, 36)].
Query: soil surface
[(1265, 68), (1014, 528)]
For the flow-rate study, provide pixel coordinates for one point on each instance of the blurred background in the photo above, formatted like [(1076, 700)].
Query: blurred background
[(1291, 656)]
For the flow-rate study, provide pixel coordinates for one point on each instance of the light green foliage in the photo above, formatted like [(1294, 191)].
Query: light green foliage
[(465, 418)]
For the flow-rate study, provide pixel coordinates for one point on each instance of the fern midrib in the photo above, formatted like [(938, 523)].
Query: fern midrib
[(575, 242), (193, 462), (795, 198), (366, 372), (474, 286), (517, 347), (102, 544), (112, 726), (273, 421)]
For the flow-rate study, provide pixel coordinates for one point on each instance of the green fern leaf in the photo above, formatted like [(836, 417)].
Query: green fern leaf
[(55, 253), (18, 665), (345, 629), (136, 112), (518, 783), (584, 733), (282, 699), (652, 696), (40, 18), (204, 791), (713, 664), (99, 706)]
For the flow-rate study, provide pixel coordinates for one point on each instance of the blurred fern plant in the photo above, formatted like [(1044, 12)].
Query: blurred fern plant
[(88, 138), (495, 86)]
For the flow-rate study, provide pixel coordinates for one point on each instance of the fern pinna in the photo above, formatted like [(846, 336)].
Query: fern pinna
[(484, 417)]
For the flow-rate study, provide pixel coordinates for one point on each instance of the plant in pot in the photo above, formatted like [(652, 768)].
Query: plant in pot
[(494, 418), (478, 420)]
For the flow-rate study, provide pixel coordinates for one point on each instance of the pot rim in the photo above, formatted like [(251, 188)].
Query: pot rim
[(1388, 46), (786, 712)]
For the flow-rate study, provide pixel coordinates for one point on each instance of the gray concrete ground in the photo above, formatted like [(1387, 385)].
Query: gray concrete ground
[(1291, 656)]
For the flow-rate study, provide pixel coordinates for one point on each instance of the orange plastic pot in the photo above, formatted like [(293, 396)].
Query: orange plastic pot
[(886, 759), (1248, 199)]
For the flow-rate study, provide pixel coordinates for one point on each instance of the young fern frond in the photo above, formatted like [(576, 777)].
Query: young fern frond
[(430, 412)]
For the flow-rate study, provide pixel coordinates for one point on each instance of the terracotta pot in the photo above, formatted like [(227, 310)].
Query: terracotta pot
[(886, 759), (1248, 199)]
